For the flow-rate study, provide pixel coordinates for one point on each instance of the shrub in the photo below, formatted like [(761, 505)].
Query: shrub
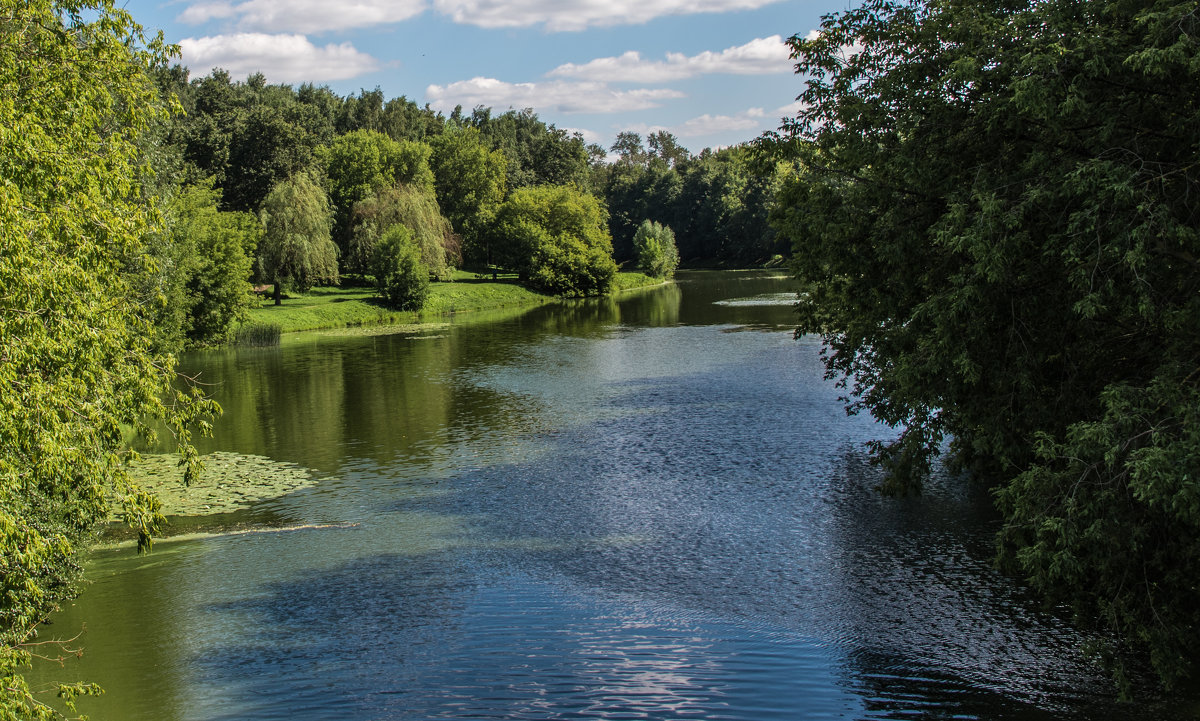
[(654, 245), (400, 277), (556, 238)]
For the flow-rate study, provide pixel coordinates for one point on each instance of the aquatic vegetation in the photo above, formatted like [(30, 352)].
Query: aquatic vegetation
[(229, 481)]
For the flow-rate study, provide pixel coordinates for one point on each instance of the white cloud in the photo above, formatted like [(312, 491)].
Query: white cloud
[(305, 16), (757, 57), (754, 119), (590, 137), (557, 15), (201, 13), (281, 58), (790, 109), (557, 96)]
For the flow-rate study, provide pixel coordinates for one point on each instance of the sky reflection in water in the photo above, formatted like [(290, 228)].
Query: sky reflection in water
[(599, 510)]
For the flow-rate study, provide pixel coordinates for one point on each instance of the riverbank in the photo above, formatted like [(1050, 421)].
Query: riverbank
[(323, 308)]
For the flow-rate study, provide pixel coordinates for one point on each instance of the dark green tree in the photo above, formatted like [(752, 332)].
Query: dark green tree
[(996, 232), (665, 148), (249, 136), (296, 247), (538, 154), (629, 149)]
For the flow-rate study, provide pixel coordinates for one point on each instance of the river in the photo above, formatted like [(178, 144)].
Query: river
[(650, 507)]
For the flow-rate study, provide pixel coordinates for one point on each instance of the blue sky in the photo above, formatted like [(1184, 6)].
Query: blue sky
[(713, 72)]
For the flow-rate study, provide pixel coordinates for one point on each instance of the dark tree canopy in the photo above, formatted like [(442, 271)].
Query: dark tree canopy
[(717, 203), (996, 230)]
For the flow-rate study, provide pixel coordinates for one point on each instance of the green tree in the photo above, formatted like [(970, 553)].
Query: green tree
[(538, 154), (556, 238), (296, 247), (249, 136), (995, 230), (76, 362), (470, 183), (655, 247), (629, 149), (221, 246), (363, 162), (416, 209), (665, 148), (400, 276)]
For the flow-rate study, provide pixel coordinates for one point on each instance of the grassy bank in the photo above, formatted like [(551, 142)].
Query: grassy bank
[(322, 308)]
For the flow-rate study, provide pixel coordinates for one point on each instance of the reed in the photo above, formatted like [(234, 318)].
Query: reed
[(258, 335)]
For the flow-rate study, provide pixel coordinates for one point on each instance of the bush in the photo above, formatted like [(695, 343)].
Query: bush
[(556, 238), (400, 277), (654, 245)]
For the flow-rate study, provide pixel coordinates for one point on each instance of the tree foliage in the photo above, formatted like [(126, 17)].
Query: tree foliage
[(538, 154), (296, 247), (247, 136), (470, 183), (76, 360), (717, 203), (400, 277), (997, 234), (654, 245), (413, 207), (220, 246), (364, 162), (556, 238)]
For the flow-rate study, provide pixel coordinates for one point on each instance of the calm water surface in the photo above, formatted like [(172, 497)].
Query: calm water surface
[(653, 507)]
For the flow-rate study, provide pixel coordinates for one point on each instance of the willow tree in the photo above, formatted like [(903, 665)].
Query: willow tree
[(76, 362), (296, 247), (996, 230), (415, 208)]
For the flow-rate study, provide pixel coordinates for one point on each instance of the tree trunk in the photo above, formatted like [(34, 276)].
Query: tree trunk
[(278, 293)]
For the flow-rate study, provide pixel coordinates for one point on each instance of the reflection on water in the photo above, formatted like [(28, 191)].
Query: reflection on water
[(611, 509)]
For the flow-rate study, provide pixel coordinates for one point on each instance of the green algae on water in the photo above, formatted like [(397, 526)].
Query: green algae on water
[(229, 482)]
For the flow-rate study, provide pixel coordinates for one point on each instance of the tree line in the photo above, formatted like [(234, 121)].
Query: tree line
[(327, 177)]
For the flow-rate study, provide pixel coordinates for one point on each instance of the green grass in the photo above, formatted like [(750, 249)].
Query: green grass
[(631, 280), (322, 308)]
